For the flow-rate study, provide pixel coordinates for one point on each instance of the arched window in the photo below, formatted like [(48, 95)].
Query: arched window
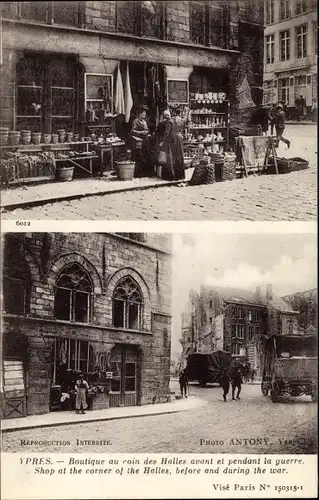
[(127, 304), (16, 278), (73, 295)]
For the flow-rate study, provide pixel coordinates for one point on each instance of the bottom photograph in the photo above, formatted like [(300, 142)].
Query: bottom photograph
[(157, 342)]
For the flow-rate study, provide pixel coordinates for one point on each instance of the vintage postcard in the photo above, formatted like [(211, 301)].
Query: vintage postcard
[(161, 356), (158, 165), (159, 110)]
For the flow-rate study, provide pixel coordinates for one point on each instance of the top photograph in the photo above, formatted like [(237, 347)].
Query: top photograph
[(159, 110)]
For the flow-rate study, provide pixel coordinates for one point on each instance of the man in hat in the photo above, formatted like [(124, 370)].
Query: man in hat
[(280, 125)]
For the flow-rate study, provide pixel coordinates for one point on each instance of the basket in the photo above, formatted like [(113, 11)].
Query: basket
[(228, 168), (210, 174), (287, 165), (199, 175)]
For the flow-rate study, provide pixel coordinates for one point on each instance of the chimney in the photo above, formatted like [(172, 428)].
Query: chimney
[(258, 292), (269, 295)]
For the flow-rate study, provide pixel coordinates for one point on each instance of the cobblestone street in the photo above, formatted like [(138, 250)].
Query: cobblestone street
[(254, 416), (285, 197)]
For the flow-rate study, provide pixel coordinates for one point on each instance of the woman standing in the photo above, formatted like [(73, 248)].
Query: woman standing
[(142, 147), (81, 387), (171, 145)]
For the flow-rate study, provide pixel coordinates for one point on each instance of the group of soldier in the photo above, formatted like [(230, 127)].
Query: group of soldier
[(230, 377)]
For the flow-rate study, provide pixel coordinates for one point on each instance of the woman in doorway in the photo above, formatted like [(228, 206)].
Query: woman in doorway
[(142, 147), (171, 131), (81, 388)]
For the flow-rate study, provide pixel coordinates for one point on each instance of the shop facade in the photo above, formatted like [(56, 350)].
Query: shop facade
[(97, 304), (60, 63)]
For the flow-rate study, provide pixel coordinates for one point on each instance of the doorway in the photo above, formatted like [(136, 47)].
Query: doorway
[(124, 386)]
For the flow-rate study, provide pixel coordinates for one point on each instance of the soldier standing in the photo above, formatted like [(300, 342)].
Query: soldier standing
[(224, 382), (183, 383), (236, 381)]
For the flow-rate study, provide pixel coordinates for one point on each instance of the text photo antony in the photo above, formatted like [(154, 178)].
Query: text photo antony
[(210, 339), (157, 110)]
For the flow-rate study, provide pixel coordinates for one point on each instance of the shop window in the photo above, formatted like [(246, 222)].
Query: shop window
[(270, 49), (301, 37), (116, 367), (70, 355), (47, 93), (130, 377), (73, 295), (284, 45), (283, 90), (16, 278), (127, 304)]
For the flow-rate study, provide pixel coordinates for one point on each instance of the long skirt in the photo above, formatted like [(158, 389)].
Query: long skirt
[(80, 401), (174, 170)]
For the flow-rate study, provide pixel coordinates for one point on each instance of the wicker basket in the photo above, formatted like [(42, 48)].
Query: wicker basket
[(287, 165), (228, 168), (199, 175), (210, 174)]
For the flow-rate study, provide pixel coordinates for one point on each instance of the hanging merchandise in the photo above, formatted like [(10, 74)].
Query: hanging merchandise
[(243, 95), (128, 95), (119, 94)]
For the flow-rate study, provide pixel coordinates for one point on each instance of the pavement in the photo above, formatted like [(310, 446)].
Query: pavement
[(55, 419), (52, 192)]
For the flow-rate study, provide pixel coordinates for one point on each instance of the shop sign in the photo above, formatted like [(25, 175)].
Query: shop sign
[(177, 91)]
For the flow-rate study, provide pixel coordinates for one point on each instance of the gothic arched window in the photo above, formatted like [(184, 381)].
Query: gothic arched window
[(73, 295), (16, 278), (127, 304)]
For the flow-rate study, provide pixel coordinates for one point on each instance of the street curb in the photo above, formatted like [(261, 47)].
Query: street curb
[(97, 419), (36, 203)]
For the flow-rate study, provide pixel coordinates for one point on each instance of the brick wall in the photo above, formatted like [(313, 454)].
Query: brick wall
[(106, 258), (7, 88)]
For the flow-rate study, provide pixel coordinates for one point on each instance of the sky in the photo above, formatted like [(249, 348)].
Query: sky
[(287, 261)]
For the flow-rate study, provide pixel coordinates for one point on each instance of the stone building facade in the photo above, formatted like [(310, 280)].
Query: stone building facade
[(236, 321), (94, 303), (290, 51), (207, 43)]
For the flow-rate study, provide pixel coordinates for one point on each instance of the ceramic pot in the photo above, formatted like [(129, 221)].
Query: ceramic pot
[(55, 138), (4, 136), (14, 137), (69, 136), (26, 137), (46, 138), (76, 137), (36, 137)]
